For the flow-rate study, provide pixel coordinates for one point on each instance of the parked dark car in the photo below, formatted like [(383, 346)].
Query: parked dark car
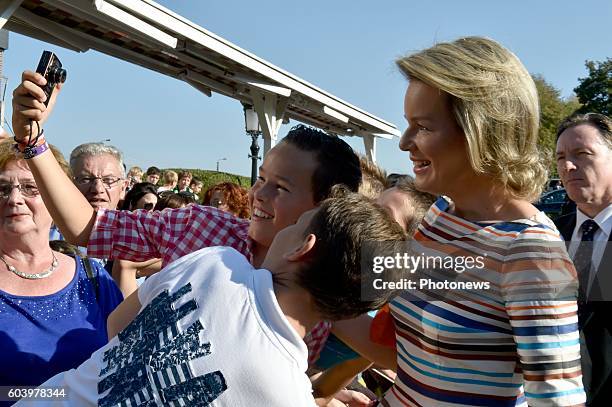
[(552, 202), (553, 184)]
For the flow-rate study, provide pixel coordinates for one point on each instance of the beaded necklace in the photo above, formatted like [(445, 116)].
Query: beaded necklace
[(35, 276)]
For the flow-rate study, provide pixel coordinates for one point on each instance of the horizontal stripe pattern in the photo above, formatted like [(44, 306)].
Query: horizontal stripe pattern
[(516, 344)]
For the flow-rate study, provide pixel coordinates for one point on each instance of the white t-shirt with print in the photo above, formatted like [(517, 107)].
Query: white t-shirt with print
[(209, 332)]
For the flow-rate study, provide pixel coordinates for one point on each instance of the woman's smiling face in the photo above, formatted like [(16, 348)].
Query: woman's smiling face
[(437, 145), (22, 214)]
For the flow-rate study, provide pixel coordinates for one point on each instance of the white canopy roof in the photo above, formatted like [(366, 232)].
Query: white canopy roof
[(145, 33)]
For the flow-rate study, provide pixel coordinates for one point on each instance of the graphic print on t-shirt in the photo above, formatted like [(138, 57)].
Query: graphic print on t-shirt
[(152, 357)]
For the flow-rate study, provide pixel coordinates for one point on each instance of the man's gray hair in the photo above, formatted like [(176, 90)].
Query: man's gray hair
[(95, 149)]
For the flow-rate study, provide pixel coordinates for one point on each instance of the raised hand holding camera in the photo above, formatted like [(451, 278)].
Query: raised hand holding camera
[(34, 98), (51, 69)]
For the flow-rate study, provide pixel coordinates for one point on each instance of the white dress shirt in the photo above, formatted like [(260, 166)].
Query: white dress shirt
[(600, 239)]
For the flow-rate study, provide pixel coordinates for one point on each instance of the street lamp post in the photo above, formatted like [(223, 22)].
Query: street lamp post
[(220, 159), (251, 124), (254, 157)]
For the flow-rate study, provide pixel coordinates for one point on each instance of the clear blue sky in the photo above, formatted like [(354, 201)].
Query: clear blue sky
[(344, 47)]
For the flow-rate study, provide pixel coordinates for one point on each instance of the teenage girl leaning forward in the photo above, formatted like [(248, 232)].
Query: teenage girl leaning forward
[(297, 174)]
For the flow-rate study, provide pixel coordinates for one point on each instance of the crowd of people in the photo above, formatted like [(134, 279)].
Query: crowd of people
[(140, 288)]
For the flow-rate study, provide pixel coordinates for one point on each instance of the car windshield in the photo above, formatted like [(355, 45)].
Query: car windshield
[(554, 197)]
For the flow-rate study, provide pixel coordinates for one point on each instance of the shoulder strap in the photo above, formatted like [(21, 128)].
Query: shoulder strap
[(92, 274)]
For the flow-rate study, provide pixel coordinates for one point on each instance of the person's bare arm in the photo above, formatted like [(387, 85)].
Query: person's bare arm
[(67, 206), (149, 267), (356, 334), (346, 398), (125, 313), (126, 272), (336, 378)]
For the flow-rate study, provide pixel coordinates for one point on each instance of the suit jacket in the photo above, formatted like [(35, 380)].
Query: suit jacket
[(595, 320)]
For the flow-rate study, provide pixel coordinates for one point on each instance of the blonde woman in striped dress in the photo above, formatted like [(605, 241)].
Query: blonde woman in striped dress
[(472, 112)]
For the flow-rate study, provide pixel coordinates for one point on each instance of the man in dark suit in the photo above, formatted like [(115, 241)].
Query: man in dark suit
[(584, 162)]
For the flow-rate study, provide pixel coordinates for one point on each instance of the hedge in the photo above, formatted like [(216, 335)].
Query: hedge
[(210, 178)]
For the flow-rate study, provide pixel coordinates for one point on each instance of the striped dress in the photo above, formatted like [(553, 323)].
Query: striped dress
[(516, 344)]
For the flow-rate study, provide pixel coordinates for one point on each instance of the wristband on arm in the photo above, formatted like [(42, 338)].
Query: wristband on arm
[(31, 152), (31, 149)]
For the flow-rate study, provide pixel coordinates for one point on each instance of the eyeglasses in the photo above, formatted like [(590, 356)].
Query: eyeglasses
[(28, 190), (108, 182)]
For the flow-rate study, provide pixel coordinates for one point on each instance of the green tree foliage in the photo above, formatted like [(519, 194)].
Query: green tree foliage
[(553, 109), (594, 91), (210, 178)]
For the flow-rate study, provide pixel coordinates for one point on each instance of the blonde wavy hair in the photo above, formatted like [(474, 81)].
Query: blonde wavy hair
[(495, 102)]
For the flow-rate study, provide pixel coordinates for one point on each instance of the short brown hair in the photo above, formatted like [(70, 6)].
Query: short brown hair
[(420, 202), (337, 162), (169, 199), (600, 121), (7, 154), (153, 171), (373, 178), (332, 274), (196, 181), (185, 174)]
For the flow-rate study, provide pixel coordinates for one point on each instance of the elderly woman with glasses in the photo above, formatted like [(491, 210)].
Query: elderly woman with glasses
[(53, 307)]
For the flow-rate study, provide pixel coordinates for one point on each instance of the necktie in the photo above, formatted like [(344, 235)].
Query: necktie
[(583, 257)]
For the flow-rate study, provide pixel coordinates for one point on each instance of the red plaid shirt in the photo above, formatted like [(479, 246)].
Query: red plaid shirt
[(170, 234), (315, 340)]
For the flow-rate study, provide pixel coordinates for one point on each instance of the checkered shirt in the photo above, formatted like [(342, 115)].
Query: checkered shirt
[(315, 340), (170, 234)]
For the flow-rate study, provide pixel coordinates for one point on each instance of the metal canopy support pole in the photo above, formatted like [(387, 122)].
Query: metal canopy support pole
[(270, 109), (369, 142)]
